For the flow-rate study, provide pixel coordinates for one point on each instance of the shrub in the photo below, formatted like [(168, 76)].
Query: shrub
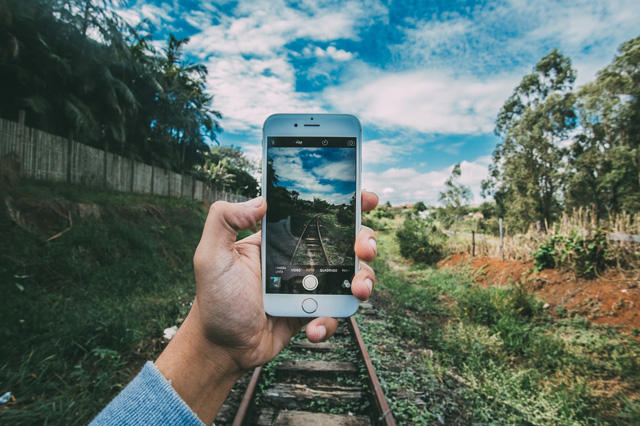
[(420, 241), (585, 254)]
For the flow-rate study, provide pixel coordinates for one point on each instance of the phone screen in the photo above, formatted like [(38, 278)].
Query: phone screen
[(311, 214)]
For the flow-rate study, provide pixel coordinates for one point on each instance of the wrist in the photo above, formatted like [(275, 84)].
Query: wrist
[(200, 372)]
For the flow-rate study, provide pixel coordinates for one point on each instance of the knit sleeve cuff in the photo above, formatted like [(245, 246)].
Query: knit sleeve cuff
[(148, 400)]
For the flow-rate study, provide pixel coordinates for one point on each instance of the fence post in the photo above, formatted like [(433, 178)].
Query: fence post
[(21, 142), (106, 164), (473, 243), (153, 169), (133, 176), (501, 240), (69, 155)]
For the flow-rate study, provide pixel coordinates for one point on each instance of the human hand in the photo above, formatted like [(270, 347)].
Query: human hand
[(229, 287), (227, 331)]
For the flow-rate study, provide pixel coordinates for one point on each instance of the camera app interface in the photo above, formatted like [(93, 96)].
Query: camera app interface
[(310, 191)]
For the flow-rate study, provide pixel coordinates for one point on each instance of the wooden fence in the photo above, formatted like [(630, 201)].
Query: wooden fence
[(518, 247), (44, 156)]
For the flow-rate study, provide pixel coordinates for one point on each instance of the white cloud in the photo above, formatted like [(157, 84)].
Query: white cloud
[(407, 185), (425, 101), (247, 91), (131, 16), (264, 27), (156, 15), (333, 53), (515, 34), (288, 166), (250, 74), (338, 170)]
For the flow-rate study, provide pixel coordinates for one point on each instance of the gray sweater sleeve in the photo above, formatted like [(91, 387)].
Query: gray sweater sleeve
[(148, 400)]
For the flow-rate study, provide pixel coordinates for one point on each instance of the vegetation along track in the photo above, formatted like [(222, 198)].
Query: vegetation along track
[(330, 383), (310, 249)]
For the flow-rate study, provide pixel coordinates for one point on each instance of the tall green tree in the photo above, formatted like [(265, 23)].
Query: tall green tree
[(456, 197), (61, 76), (75, 66), (526, 176), (604, 170), (183, 114)]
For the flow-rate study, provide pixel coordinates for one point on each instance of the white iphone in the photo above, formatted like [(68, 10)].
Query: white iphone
[(311, 180)]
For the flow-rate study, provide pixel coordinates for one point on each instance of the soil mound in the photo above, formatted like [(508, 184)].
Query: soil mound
[(612, 298)]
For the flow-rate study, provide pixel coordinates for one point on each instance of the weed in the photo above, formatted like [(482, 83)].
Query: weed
[(496, 356), (93, 301)]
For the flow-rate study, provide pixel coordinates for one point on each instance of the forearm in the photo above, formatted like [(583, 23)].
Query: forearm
[(199, 371)]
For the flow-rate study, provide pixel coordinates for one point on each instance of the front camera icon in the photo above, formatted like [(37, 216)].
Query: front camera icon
[(325, 142)]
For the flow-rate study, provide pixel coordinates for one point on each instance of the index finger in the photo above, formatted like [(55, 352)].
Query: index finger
[(369, 201)]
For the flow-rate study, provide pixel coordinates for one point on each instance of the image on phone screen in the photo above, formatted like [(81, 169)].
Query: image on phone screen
[(311, 214)]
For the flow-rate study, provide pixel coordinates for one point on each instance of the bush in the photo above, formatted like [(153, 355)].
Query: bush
[(420, 241), (586, 255)]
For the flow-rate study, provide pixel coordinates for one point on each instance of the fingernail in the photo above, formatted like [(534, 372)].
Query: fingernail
[(322, 332), (369, 284), (256, 202), (373, 243)]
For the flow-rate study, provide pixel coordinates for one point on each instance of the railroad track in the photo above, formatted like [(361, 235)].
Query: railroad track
[(310, 249), (308, 381)]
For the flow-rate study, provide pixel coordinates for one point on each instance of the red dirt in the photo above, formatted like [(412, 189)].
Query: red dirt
[(613, 298)]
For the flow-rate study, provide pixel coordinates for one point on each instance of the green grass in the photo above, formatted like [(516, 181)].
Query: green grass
[(465, 354), (81, 313)]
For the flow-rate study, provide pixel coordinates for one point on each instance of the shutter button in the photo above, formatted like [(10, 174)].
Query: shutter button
[(310, 282)]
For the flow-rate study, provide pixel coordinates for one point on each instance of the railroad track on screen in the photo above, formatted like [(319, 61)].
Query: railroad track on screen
[(310, 249), (330, 383)]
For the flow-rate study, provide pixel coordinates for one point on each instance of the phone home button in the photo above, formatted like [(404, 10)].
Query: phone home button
[(309, 305), (310, 282)]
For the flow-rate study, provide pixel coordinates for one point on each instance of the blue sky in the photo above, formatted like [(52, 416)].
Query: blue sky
[(426, 79)]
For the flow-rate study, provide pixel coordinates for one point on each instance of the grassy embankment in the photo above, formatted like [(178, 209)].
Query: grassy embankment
[(82, 312), (451, 352)]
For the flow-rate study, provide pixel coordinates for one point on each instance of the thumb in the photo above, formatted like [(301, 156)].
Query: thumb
[(223, 223)]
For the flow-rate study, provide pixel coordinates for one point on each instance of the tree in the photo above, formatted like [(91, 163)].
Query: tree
[(605, 156), (526, 177), (76, 66), (239, 166), (182, 112), (61, 76), (419, 207), (216, 172), (488, 209), (455, 198)]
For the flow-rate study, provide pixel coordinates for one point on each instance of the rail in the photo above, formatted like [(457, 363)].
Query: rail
[(311, 240), (382, 416)]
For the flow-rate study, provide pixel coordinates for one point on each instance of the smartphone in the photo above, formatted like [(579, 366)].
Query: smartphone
[(311, 166)]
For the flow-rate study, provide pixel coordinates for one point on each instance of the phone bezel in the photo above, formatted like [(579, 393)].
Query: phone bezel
[(338, 125)]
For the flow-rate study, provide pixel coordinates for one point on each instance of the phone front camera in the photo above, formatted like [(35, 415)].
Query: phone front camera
[(295, 125)]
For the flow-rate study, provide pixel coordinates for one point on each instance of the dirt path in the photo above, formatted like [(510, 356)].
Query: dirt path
[(613, 298)]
